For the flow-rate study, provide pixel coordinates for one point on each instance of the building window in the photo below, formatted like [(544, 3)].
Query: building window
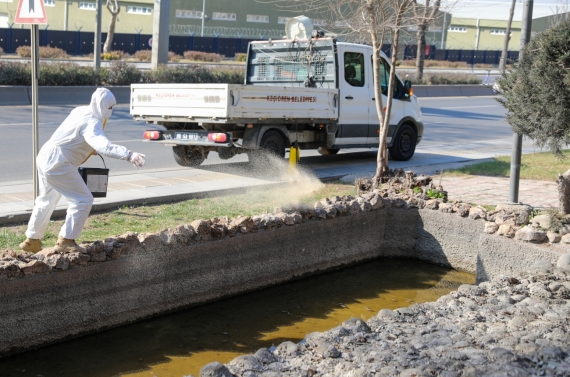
[(139, 10), (6, 1), (88, 6), (498, 32), (283, 20), (180, 13), (49, 3), (224, 16), (257, 18), (318, 22), (458, 29)]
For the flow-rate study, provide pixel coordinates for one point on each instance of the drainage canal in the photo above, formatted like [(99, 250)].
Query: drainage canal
[(179, 344)]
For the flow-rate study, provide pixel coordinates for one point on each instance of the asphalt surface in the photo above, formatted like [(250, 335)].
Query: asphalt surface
[(459, 127)]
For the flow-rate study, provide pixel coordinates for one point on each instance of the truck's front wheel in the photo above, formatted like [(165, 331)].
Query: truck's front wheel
[(186, 156), (404, 143)]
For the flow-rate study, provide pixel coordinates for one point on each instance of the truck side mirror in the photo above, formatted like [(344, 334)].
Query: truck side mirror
[(408, 92)]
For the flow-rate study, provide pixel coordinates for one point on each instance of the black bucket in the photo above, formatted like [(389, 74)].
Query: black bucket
[(96, 179)]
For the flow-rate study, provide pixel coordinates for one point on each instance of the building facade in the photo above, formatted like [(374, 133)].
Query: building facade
[(256, 20), (479, 34)]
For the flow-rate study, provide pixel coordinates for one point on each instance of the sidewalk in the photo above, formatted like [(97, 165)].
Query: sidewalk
[(160, 186)]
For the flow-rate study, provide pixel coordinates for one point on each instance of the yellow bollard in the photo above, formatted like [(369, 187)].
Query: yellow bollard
[(294, 158)]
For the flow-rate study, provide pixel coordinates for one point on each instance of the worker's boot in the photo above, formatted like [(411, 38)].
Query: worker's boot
[(31, 245), (65, 245)]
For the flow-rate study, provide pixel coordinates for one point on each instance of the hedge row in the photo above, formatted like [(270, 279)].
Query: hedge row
[(118, 73)]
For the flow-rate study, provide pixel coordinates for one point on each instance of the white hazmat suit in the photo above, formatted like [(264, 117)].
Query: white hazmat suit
[(80, 134)]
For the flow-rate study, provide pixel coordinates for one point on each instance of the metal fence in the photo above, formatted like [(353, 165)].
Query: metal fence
[(471, 57), (81, 43)]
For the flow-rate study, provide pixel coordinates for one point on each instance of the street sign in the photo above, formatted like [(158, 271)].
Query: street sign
[(31, 12)]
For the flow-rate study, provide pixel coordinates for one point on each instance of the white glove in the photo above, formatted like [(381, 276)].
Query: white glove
[(137, 159)]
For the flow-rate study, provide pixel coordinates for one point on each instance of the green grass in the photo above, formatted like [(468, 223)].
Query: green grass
[(158, 217), (539, 166)]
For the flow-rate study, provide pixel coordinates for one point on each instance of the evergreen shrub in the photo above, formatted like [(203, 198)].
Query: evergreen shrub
[(203, 56), (143, 55), (241, 57), (121, 73)]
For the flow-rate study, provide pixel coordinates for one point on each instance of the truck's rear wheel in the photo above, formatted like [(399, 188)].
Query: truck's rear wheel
[(404, 143), (187, 156), (272, 143), (325, 151)]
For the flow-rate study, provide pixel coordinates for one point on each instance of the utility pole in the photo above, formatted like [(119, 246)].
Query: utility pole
[(517, 138), (160, 33), (97, 38), (503, 62), (203, 16)]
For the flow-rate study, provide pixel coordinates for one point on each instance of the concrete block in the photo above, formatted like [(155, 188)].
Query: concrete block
[(15, 95)]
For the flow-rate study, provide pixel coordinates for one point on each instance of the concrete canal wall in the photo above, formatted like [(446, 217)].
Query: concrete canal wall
[(156, 274)]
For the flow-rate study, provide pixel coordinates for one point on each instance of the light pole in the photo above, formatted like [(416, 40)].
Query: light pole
[(203, 16)]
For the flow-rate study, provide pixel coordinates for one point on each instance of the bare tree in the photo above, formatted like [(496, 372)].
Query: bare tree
[(366, 21), (424, 15), (114, 9)]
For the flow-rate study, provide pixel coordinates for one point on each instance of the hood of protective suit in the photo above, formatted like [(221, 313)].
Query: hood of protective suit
[(101, 100)]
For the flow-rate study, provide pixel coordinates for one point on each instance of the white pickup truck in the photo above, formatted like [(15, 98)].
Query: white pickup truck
[(316, 92)]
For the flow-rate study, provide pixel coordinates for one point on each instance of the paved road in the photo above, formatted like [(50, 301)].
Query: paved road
[(456, 129)]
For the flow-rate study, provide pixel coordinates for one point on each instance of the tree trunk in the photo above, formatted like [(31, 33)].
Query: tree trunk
[(504, 53), (563, 182), (420, 55), (111, 31)]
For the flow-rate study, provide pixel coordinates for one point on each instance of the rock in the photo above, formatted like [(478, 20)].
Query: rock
[(58, 261), (10, 269), (411, 372), (265, 356), (542, 265), (246, 363), (356, 325), (331, 211), (42, 255), (201, 230), (564, 262), (244, 224), (98, 253), (565, 238), (34, 267), (8, 253), (365, 206), (325, 349), (341, 207), (376, 201), (397, 202), (432, 204), (478, 212), (287, 349), (446, 207), (506, 230), (553, 237), (321, 214), (182, 235), (542, 221), (531, 234), (78, 259), (564, 229), (462, 209), (490, 227), (218, 230), (286, 218), (353, 207), (215, 369), (521, 211)]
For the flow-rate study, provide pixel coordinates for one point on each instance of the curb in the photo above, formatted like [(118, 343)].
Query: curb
[(24, 217), (77, 95)]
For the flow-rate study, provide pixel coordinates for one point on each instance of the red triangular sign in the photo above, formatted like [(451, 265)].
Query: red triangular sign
[(31, 12)]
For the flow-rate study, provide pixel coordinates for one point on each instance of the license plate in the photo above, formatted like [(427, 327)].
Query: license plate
[(187, 136)]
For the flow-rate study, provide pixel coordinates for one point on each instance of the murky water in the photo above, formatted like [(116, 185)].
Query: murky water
[(180, 344)]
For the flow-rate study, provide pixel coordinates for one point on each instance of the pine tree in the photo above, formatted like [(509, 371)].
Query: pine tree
[(536, 95)]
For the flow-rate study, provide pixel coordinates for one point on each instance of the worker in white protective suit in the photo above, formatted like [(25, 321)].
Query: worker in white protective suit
[(78, 137)]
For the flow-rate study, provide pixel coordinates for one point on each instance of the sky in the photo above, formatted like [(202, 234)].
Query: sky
[(499, 9)]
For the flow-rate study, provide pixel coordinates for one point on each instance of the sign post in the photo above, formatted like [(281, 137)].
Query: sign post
[(33, 12)]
